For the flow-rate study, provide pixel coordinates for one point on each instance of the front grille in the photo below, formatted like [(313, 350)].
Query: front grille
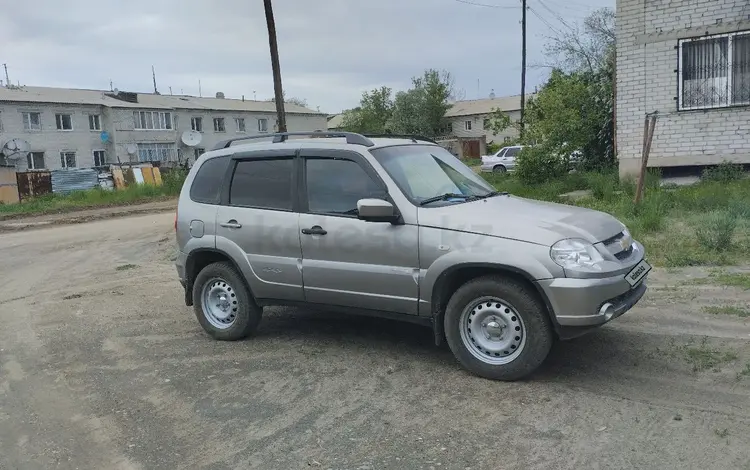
[(624, 254), (613, 246)]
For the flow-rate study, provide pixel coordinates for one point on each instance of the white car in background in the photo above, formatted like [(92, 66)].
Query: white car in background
[(501, 161)]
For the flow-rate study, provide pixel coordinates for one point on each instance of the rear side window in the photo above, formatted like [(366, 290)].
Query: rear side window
[(207, 184), (265, 184), (512, 152)]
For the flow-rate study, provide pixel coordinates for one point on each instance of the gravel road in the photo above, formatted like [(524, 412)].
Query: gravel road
[(103, 366)]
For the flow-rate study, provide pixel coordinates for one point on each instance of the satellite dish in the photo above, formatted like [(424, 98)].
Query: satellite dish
[(116, 91), (16, 149), (104, 136), (191, 138), (132, 149)]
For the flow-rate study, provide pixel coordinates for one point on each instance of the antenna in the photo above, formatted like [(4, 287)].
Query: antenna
[(478, 92), (110, 85), (255, 98), (7, 80), (200, 93), (153, 74), (170, 90)]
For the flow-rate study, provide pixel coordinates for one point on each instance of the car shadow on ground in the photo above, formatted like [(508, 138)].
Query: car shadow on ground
[(599, 351)]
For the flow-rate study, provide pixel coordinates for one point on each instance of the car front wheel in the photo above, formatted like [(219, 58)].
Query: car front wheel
[(498, 328)]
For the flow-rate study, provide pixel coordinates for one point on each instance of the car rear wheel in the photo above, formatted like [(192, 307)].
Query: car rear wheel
[(222, 303), (498, 328), (499, 169)]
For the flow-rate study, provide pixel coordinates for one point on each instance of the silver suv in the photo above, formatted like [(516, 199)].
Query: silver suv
[(397, 227)]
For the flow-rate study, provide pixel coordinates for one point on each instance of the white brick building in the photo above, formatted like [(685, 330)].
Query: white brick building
[(688, 60), (64, 126)]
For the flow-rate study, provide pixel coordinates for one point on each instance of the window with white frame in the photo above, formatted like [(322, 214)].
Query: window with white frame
[(32, 121), (263, 125), (35, 161), (152, 120), (95, 122), (196, 123), (467, 125), (64, 122), (67, 159), (100, 158), (157, 152), (240, 123), (714, 71), (219, 125)]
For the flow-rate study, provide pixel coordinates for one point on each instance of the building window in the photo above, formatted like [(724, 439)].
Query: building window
[(507, 140), (197, 152), (157, 152), (714, 71), (68, 159), (240, 122), (64, 122), (35, 161), (32, 121), (100, 158), (467, 125), (219, 125), (152, 120), (263, 125), (196, 124), (95, 122)]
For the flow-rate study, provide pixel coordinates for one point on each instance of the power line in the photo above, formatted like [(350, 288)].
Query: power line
[(555, 14), (467, 2)]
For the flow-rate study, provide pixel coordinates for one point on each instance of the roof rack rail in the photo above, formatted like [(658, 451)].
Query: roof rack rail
[(351, 138), (414, 138)]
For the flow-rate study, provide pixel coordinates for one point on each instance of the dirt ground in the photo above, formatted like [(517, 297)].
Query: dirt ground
[(103, 366)]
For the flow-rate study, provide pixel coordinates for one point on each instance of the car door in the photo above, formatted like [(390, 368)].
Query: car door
[(347, 261), (257, 223)]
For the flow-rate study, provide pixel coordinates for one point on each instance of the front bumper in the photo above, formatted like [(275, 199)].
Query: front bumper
[(591, 302)]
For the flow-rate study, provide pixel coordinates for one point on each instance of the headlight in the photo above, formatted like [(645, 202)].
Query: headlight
[(576, 254)]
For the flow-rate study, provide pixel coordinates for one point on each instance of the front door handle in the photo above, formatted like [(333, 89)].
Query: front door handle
[(314, 230), (231, 224)]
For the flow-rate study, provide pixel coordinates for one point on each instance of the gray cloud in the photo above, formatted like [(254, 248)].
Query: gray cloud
[(331, 50)]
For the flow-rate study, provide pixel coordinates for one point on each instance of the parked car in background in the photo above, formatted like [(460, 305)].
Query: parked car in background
[(502, 161)]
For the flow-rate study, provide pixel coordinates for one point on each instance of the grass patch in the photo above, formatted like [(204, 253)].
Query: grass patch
[(703, 357), (730, 279), (722, 432), (744, 372), (98, 197), (125, 267), (727, 310)]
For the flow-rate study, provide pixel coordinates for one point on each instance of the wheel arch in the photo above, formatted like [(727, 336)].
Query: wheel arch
[(199, 259), (455, 276)]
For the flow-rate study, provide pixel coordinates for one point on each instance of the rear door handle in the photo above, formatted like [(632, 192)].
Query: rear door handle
[(314, 230), (231, 224)]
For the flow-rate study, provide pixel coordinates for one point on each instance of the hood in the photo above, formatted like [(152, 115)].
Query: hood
[(523, 219)]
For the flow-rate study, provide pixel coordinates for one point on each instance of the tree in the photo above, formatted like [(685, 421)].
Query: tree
[(585, 47), (373, 113), (421, 109)]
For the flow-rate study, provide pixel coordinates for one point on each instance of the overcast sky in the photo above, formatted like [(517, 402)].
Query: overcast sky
[(331, 50)]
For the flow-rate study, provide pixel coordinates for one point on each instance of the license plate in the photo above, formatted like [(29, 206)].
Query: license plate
[(637, 273)]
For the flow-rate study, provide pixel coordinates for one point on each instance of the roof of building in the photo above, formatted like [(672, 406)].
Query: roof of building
[(336, 121), (485, 106), (31, 94)]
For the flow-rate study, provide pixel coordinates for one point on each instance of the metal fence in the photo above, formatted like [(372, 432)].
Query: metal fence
[(80, 179)]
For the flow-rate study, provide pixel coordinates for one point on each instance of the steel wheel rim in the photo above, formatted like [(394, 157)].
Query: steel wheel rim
[(499, 169), (220, 304), (492, 331)]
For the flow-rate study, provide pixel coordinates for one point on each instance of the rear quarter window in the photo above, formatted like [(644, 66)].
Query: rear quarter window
[(206, 187)]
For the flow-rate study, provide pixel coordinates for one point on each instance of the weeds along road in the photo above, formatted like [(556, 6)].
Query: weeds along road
[(102, 366)]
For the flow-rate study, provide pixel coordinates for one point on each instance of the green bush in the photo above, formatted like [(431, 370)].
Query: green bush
[(716, 230), (493, 147), (536, 165), (724, 172), (602, 185)]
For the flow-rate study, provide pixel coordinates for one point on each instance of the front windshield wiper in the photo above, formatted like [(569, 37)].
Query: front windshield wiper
[(490, 194), (443, 197)]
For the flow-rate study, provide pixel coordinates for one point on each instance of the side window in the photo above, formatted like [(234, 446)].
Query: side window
[(265, 184), (207, 184), (512, 152), (334, 186)]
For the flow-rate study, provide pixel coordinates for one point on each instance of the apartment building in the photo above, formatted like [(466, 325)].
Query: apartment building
[(72, 128)]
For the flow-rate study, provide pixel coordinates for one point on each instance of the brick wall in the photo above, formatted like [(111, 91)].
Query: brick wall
[(647, 34)]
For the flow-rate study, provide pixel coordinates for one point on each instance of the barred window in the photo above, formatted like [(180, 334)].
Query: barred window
[(715, 71)]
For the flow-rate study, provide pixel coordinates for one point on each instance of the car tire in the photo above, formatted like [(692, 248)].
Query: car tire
[(498, 328), (499, 169), (223, 304)]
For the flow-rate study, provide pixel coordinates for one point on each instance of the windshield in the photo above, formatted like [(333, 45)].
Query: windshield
[(426, 171)]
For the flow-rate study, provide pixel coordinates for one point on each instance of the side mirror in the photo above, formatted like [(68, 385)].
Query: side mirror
[(376, 210)]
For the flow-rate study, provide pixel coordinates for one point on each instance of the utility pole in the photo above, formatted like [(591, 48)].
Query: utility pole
[(523, 64), (153, 74), (277, 90)]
